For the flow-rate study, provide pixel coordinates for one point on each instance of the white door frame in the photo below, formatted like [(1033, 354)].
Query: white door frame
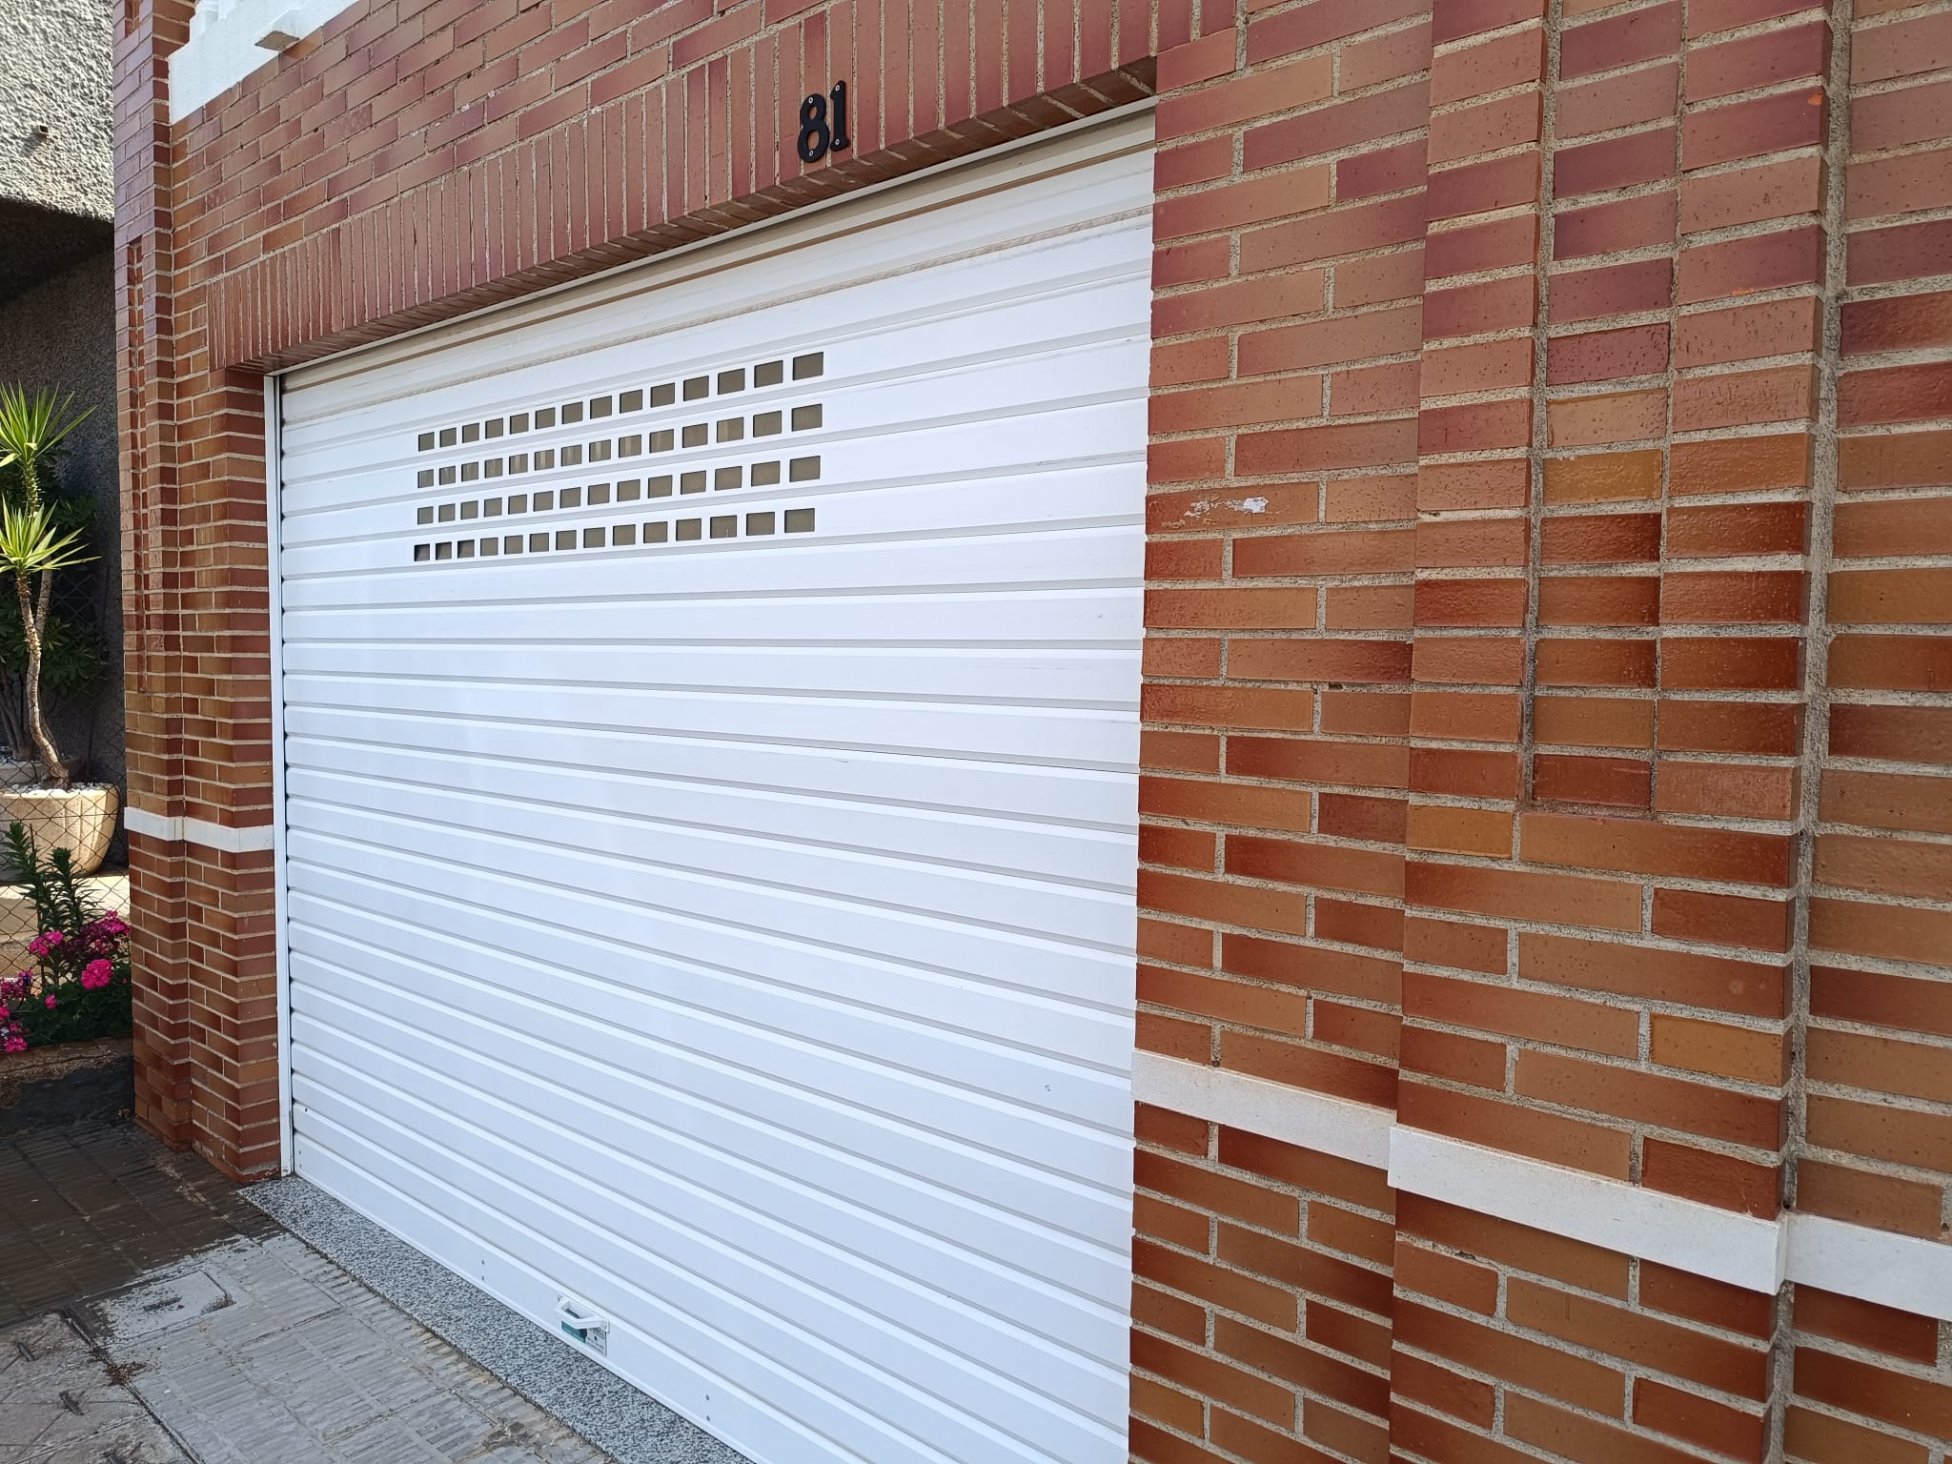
[(273, 475)]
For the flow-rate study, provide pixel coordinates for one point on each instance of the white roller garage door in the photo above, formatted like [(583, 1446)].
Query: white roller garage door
[(709, 699)]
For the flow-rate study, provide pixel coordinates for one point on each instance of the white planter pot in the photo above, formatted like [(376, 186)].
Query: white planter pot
[(80, 819)]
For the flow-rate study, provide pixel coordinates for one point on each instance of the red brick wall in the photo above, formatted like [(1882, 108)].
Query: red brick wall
[(1262, 1297), (1282, 518), (1547, 738), (1880, 915)]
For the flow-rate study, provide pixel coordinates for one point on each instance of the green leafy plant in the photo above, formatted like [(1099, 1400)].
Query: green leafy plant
[(35, 542), (80, 986)]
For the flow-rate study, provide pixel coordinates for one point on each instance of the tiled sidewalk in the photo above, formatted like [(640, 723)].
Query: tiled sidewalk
[(87, 1209), (150, 1315)]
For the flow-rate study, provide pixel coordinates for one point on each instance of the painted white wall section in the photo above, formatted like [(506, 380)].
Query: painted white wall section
[(711, 730), (223, 47)]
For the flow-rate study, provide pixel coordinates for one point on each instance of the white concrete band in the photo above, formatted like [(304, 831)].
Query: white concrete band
[(1904, 1272), (1358, 1131), (1704, 1240), (1900, 1271), (254, 839)]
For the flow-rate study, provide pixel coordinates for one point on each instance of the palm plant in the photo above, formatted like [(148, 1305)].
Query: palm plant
[(33, 545)]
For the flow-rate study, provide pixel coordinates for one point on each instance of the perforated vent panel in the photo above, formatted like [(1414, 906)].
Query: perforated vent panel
[(710, 710), (669, 441)]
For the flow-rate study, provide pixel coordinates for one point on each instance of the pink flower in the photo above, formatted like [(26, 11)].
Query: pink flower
[(45, 942), (96, 974), (50, 1001), (14, 1044), (16, 985)]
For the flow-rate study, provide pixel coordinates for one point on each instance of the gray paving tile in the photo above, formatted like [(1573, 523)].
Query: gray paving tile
[(150, 1314), (59, 1403)]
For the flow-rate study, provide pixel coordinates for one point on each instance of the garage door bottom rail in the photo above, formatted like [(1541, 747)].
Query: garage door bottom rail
[(627, 1424)]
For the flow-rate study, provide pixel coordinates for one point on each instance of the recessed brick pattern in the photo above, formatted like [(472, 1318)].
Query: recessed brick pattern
[(1880, 914)]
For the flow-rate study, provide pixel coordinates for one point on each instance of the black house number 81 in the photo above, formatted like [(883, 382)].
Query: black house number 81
[(818, 135)]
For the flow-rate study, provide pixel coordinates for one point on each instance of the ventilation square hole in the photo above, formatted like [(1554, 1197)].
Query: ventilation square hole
[(490, 548), (447, 474), (599, 407), (426, 443), (572, 413), (769, 373), (662, 440), (630, 446), (471, 432), (565, 538), (623, 534), (518, 422), (759, 523), (511, 544), (690, 529), (600, 450), (732, 429), (491, 508), (538, 543), (631, 401), (696, 387), (664, 396), (518, 462), (426, 478), (764, 475), (810, 365), (518, 503), (803, 470), (768, 424), (696, 434), (599, 493), (545, 418), (425, 515), (443, 551), (725, 526), (470, 471), (465, 549), (544, 460), (593, 538), (492, 468), (422, 552), (448, 437), (570, 498), (543, 502), (727, 478), (657, 533), (447, 513), (492, 428), (630, 490), (693, 482), (659, 487), (572, 455), (731, 381), (470, 509), (805, 419), (799, 521)]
